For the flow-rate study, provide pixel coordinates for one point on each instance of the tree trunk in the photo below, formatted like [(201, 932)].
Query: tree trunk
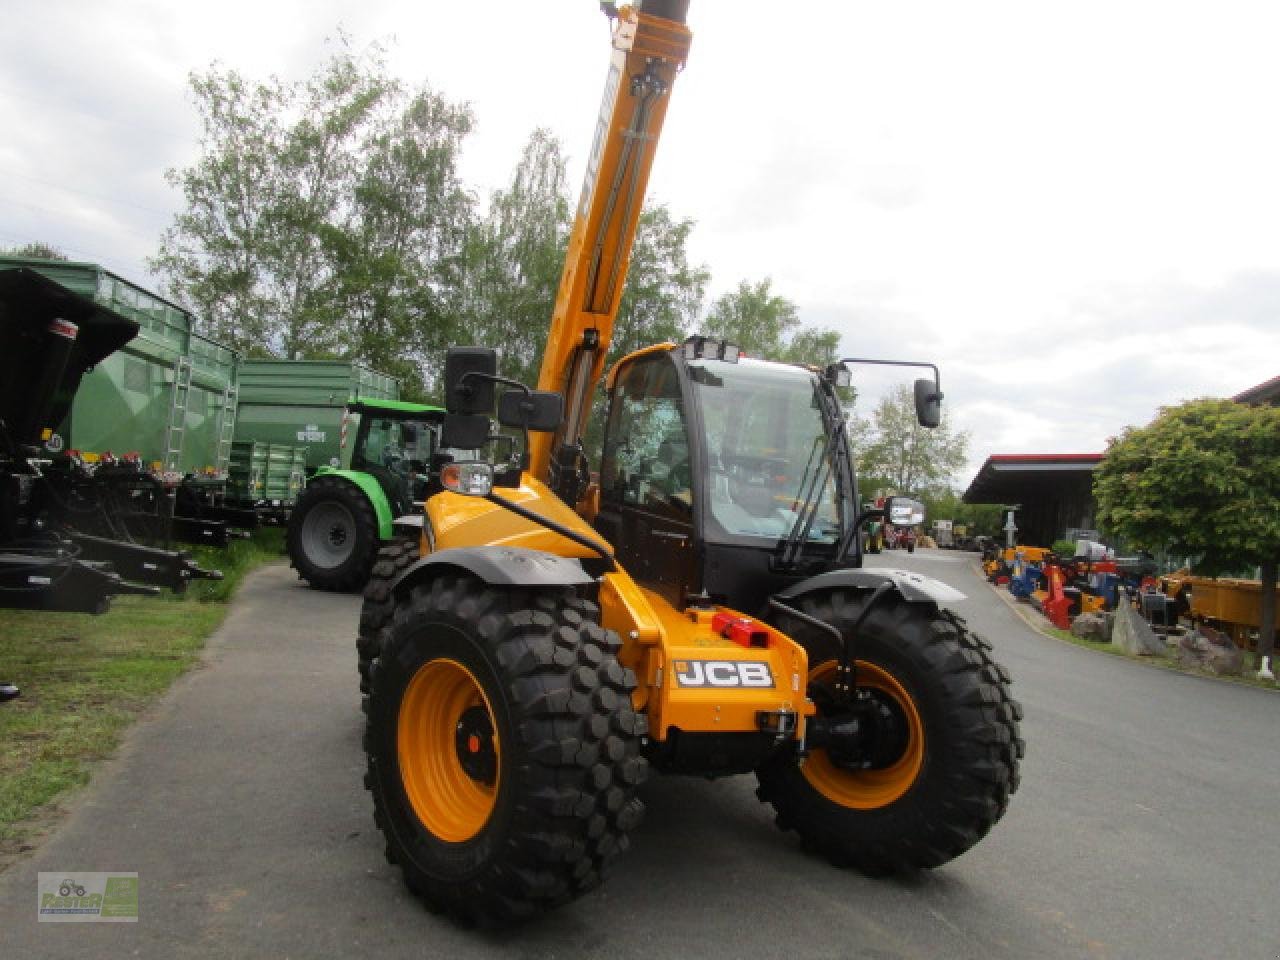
[(1267, 630)]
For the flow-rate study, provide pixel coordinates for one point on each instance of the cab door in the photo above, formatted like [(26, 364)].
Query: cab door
[(646, 479)]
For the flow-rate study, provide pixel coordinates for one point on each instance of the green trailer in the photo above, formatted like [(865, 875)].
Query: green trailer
[(302, 402), (266, 477), (168, 396)]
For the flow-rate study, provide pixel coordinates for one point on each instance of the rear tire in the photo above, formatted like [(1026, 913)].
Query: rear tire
[(333, 535), (954, 777), (559, 735), (375, 614)]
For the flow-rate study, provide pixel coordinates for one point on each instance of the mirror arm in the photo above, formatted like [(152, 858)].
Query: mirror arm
[(937, 377)]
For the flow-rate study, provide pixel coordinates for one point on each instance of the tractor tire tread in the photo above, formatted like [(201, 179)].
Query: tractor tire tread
[(971, 764), (569, 765)]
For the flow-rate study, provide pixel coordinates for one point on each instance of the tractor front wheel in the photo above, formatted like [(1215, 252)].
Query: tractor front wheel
[(503, 749), (956, 744), (333, 535)]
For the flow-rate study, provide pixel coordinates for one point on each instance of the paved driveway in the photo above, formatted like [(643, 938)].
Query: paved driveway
[(1146, 826)]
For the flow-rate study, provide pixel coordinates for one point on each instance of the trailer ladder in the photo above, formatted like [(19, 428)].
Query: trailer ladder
[(227, 427), (175, 433)]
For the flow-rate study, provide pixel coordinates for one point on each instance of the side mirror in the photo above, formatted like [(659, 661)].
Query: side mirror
[(465, 431), (928, 403), (468, 387), (540, 410), (903, 511)]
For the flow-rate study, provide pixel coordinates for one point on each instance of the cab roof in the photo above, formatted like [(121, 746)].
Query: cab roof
[(404, 409)]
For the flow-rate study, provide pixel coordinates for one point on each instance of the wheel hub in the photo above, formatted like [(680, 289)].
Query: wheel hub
[(473, 741), (337, 535), (870, 734)]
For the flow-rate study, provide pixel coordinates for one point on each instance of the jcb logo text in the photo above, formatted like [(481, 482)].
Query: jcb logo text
[(722, 673)]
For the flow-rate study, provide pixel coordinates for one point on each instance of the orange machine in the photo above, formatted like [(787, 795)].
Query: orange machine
[(545, 641)]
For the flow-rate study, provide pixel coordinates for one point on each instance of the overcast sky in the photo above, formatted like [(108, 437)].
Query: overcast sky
[(1072, 208)]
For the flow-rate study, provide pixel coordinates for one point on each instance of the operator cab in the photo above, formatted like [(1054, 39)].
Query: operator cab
[(716, 471)]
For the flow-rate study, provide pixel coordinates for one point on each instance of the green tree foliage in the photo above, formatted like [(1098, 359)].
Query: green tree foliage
[(660, 302), (322, 218), (766, 325), (979, 518), (664, 291), (36, 250), (901, 456), (1201, 479), (506, 289)]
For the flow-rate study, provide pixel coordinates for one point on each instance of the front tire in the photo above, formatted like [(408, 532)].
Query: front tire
[(958, 763), (333, 535), (379, 605), (503, 749)]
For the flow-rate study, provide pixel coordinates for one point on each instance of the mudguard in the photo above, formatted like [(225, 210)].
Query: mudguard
[(500, 566), (371, 489), (914, 587)]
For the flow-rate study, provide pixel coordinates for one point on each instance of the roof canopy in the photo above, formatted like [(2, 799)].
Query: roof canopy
[(1268, 392), (1054, 491)]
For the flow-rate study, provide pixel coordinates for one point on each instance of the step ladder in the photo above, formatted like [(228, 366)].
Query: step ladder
[(227, 427), (175, 432)]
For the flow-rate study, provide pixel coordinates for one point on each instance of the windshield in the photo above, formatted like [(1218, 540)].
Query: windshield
[(400, 445), (766, 445)]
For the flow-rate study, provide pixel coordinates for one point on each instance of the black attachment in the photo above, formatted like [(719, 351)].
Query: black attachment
[(161, 568), (468, 388), (540, 410), (928, 404), (464, 431)]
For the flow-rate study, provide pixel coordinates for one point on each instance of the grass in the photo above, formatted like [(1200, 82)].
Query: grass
[(84, 679)]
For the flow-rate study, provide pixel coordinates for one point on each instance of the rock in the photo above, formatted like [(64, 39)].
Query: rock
[(1091, 626), (1207, 649), (1134, 635)]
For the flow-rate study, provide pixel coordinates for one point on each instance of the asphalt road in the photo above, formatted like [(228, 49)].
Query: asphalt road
[(1148, 825)]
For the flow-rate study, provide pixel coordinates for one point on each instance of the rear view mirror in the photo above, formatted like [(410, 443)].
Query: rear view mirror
[(540, 410), (465, 431), (468, 384), (928, 403), (903, 511)]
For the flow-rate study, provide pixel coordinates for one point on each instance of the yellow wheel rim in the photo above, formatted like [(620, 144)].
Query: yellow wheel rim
[(869, 789), (451, 803)]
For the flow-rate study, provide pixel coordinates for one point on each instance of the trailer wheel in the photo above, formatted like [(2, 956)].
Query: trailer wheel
[(956, 764), (379, 605), (333, 535), (503, 749)]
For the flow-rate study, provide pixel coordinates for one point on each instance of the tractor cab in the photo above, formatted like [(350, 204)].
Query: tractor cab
[(398, 444)]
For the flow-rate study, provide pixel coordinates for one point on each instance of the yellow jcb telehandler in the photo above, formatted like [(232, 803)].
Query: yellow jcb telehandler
[(546, 639)]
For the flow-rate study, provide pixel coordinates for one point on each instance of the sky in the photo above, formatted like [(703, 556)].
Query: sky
[(1071, 208)]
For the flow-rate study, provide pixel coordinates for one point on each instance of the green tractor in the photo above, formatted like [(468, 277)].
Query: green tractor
[(389, 461)]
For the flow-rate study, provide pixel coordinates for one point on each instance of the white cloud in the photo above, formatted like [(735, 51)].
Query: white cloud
[(1071, 209)]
